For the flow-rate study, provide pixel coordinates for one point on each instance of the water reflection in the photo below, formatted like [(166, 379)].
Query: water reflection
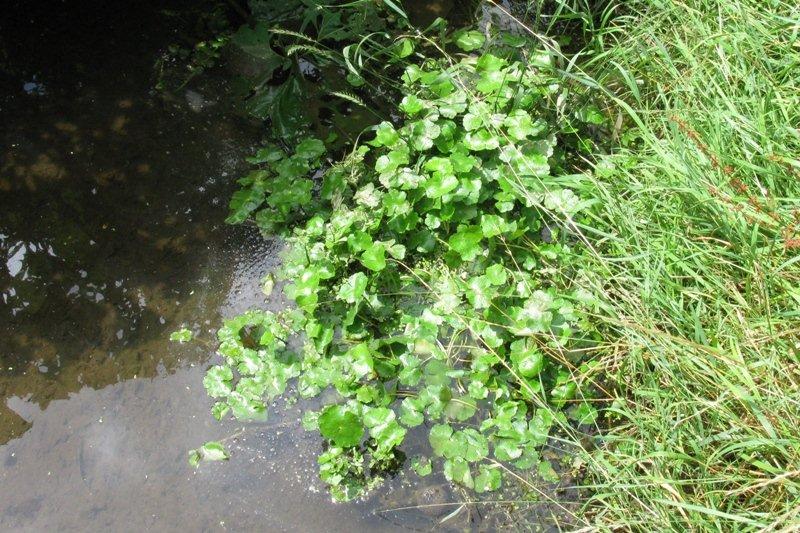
[(110, 232), (103, 243)]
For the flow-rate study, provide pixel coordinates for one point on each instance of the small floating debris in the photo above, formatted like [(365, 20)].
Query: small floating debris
[(34, 88)]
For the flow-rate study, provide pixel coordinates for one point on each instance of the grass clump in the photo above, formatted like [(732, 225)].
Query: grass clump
[(701, 263)]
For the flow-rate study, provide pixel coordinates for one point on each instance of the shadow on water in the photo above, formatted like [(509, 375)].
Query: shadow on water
[(110, 231), (111, 236)]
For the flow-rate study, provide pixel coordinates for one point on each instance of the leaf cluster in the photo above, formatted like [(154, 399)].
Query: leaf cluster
[(429, 272)]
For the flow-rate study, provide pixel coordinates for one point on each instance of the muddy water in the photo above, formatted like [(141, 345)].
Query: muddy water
[(111, 236)]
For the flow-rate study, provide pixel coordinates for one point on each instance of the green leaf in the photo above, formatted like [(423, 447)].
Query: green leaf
[(481, 140), (355, 80), (480, 292), (411, 74), (439, 437), (374, 257), (539, 425), (492, 81), (561, 393), (310, 149), (213, 451), (435, 373), (210, 451), (182, 335), (352, 290), (529, 457), (411, 105), (478, 390), (494, 225), (472, 122), (194, 458), (218, 381), (462, 409), (245, 408), (361, 359), (392, 161), (462, 161), (440, 184), (490, 63), (340, 425), (388, 435), (220, 409), (291, 194), (489, 479), (359, 241), (282, 105), (466, 242), (452, 105), (439, 164), (591, 114), (535, 317), (422, 134), (507, 449), (410, 417), (268, 154), (421, 465), (547, 472), (245, 201), (385, 135), (526, 160), (563, 202), (457, 471), (520, 125), (254, 41), (403, 48), (469, 40), (584, 413), (378, 416), (496, 274), (267, 284), (310, 421), (527, 359), (476, 446)]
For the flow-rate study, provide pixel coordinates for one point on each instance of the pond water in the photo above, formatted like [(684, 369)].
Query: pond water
[(111, 236)]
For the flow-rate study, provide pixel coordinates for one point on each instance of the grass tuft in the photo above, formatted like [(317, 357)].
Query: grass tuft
[(701, 263)]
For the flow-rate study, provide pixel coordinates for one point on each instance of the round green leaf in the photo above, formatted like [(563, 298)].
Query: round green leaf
[(340, 425), (439, 438), (488, 479), (528, 363), (310, 149), (457, 471), (470, 40), (374, 257)]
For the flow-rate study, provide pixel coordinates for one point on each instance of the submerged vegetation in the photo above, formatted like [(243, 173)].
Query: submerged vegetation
[(518, 246)]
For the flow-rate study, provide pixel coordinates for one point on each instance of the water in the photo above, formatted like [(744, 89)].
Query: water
[(111, 236)]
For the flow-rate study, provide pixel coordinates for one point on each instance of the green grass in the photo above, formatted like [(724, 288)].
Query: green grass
[(700, 206)]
